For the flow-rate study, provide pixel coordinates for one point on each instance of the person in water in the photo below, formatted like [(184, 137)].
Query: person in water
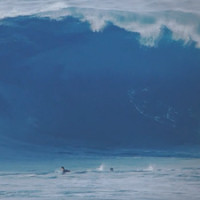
[(112, 169), (64, 170)]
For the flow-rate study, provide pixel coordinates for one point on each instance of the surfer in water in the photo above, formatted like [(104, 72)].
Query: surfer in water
[(64, 170)]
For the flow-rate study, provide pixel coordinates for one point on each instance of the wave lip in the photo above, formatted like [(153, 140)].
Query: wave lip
[(13, 8), (147, 19)]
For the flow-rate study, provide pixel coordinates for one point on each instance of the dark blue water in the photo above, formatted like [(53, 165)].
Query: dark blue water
[(63, 85)]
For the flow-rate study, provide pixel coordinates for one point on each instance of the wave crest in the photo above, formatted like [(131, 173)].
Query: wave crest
[(147, 19)]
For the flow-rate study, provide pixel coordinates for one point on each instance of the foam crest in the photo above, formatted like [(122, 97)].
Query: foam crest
[(144, 17), (21, 7)]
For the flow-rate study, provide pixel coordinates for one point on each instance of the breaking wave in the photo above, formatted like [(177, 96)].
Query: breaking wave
[(145, 18), (75, 75)]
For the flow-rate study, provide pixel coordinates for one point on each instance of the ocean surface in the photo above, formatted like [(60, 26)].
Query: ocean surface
[(138, 178), (90, 85)]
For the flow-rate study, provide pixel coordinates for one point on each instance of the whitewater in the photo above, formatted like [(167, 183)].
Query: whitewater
[(90, 178), (144, 17)]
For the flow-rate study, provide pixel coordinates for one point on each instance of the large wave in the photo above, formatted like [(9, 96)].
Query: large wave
[(62, 83)]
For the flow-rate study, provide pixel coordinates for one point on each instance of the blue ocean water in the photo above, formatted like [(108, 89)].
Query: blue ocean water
[(93, 85), (61, 82)]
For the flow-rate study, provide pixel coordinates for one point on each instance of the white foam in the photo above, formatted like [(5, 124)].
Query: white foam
[(176, 179), (23, 7), (146, 17), (101, 167), (150, 168)]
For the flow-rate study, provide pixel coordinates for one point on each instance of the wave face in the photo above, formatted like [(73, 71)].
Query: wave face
[(128, 80)]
